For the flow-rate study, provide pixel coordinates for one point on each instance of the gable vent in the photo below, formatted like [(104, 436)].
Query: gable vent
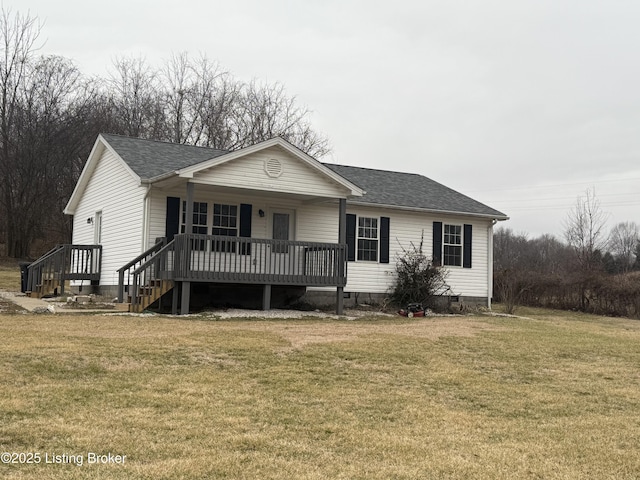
[(273, 167)]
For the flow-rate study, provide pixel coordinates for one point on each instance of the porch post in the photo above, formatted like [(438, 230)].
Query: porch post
[(342, 239), (266, 297), (188, 224), (188, 229)]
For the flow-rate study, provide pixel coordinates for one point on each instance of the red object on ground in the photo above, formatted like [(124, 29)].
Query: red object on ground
[(411, 314)]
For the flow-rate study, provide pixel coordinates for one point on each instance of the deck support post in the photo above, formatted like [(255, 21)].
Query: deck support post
[(186, 294), (266, 297), (342, 239), (174, 299)]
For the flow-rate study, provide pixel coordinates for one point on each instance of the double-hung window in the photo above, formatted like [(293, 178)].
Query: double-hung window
[(368, 239), (452, 245), (199, 221), (225, 223)]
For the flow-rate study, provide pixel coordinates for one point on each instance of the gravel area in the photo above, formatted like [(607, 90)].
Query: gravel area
[(349, 314)]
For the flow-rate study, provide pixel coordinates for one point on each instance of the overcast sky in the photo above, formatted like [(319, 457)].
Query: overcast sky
[(522, 105)]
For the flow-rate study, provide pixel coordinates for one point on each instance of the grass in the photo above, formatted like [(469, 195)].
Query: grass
[(9, 274), (552, 396)]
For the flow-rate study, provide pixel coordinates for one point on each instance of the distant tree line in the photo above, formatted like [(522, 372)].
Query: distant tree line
[(51, 114), (591, 270)]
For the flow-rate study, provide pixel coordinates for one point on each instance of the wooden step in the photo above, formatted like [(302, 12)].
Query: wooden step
[(123, 307), (149, 294)]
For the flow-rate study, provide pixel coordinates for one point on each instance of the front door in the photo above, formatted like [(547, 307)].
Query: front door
[(281, 225), (282, 228)]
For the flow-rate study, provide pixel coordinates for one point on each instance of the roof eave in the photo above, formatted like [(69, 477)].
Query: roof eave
[(430, 210), (72, 204)]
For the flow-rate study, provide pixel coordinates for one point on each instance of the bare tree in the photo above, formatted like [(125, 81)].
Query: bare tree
[(50, 115), (195, 102), (266, 112), (623, 240), (48, 133), (512, 267), (18, 37), (191, 91), (584, 230), (133, 92)]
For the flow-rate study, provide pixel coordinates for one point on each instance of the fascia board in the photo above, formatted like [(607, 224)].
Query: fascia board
[(427, 210), (87, 170)]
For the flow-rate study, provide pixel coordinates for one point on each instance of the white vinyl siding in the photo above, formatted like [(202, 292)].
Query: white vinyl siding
[(407, 228), (250, 173), (112, 190), (318, 222)]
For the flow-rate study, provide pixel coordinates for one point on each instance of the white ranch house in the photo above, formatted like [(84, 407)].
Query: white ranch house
[(151, 218)]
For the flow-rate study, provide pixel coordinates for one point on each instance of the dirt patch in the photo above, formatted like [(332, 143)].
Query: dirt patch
[(300, 334), (7, 306)]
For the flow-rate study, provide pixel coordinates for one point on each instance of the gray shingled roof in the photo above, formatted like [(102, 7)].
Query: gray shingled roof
[(410, 190), (150, 159)]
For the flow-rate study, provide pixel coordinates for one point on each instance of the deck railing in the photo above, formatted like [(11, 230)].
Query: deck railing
[(213, 258), (62, 263), (148, 278), (125, 273), (221, 259)]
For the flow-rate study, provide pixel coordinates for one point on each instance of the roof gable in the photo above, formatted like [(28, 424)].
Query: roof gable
[(293, 152), (276, 170)]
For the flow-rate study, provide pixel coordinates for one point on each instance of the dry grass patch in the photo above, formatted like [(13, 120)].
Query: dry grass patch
[(551, 396), (300, 334), (9, 275)]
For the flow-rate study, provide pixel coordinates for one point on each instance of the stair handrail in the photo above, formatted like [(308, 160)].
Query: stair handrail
[(147, 271), (65, 262), (147, 254), (39, 264)]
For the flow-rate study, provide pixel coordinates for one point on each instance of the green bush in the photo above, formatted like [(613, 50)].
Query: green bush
[(418, 280)]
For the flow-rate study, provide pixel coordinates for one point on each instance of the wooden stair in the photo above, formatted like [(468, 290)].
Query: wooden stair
[(48, 286), (149, 294), (52, 272)]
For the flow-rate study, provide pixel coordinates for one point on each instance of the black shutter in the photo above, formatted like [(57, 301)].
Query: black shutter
[(245, 220), (172, 221), (466, 252), (384, 239), (245, 226), (351, 237), (437, 243)]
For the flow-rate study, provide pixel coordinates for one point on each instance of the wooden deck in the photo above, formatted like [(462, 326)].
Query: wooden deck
[(219, 259)]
